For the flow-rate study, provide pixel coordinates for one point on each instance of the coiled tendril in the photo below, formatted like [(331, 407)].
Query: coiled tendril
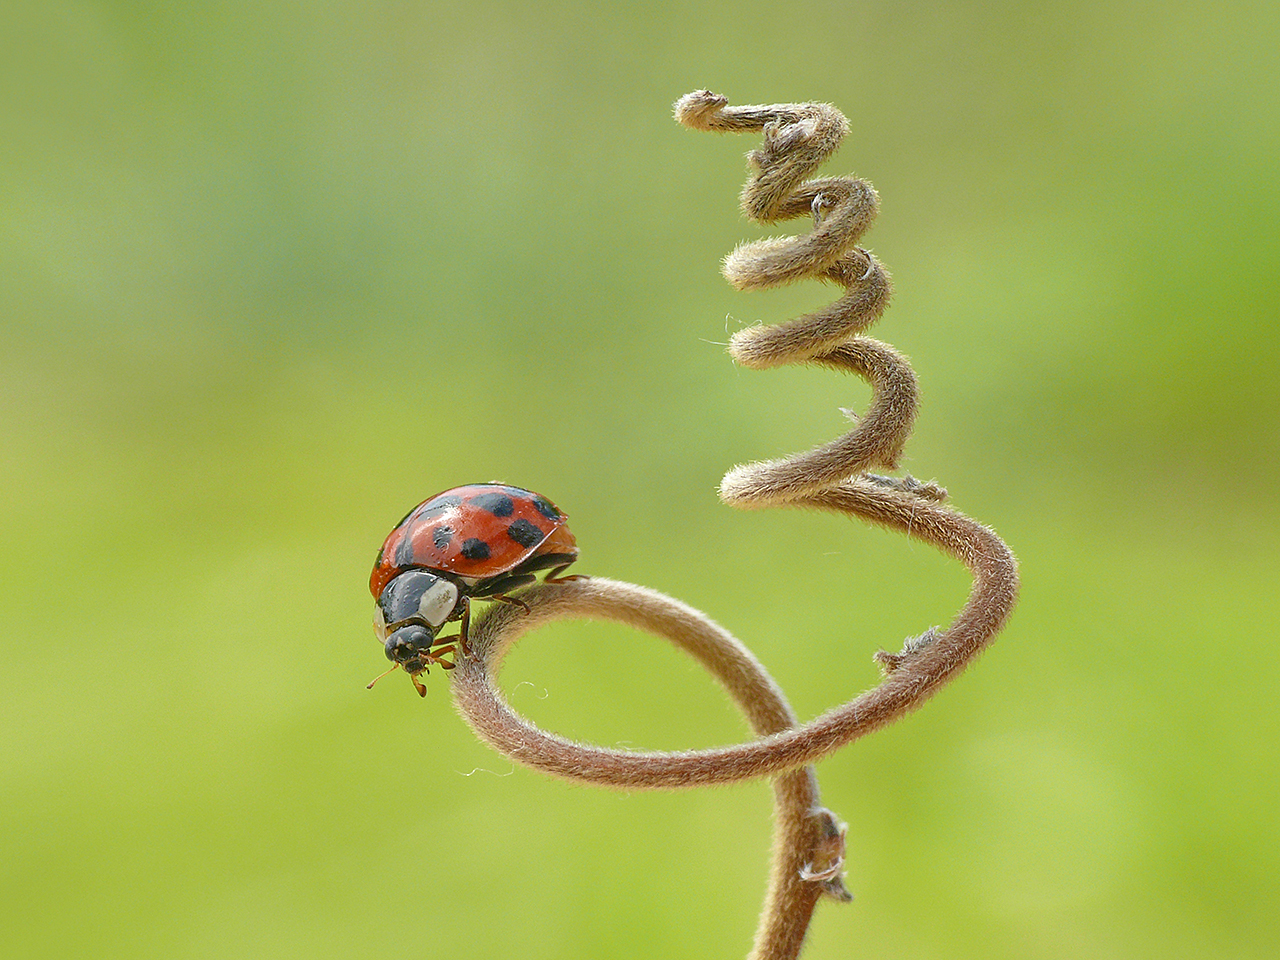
[(797, 139), (809, 843)]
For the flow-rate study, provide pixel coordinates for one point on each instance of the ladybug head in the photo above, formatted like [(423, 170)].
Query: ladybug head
[(411, 609), (409, 646)]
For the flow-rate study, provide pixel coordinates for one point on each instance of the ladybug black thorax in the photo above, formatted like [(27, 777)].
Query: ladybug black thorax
[(418, 596)]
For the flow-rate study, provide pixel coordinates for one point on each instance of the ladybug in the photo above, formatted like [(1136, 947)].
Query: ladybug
[(475, 542)]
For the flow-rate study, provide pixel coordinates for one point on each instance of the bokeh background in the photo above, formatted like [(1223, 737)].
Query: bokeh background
[(275, 272)]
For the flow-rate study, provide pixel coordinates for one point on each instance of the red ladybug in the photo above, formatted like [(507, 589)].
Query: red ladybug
[(469, 543)]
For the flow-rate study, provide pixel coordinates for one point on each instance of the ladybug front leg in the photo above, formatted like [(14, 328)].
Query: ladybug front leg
[(466, 626), (436, 655)]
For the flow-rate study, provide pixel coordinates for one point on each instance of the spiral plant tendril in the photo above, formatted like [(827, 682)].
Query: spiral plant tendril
[(809, 842)]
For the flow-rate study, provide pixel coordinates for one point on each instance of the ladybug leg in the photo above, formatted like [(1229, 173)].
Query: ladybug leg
[(466, 626), (554, 575), (437, 656), (496, 588), (514, 601)]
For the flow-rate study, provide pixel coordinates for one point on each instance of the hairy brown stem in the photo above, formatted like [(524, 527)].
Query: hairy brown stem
[(833, 476)]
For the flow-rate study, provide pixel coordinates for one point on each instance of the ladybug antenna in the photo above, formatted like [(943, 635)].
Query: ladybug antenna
[(369, 685)]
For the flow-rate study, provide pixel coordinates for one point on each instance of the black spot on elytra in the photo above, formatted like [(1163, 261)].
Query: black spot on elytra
[(474, 549), (437, 505), (499, 504), (546, 508), (441, 536), (525, 533), (404, 553)]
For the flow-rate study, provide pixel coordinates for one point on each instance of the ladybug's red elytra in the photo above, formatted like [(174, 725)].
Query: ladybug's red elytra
[(470, 543)]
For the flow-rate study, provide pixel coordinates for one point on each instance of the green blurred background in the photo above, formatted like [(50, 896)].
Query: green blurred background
[(273, 273)]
